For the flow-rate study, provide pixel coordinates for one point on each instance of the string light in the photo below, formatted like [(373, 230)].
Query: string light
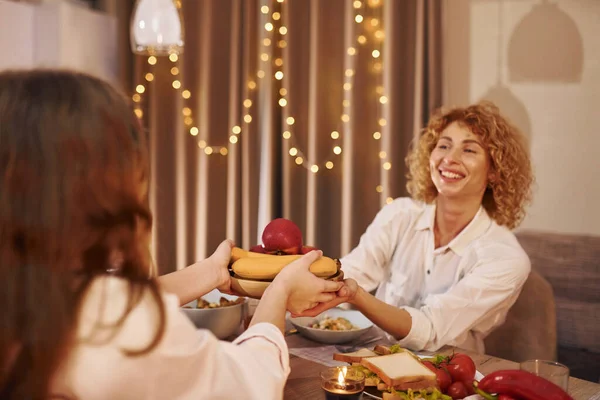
[(276, 30)]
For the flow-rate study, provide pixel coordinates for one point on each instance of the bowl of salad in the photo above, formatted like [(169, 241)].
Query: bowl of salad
[(333, 326)]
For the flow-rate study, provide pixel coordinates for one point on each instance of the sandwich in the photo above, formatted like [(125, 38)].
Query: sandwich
[(396, 372), (400, 372)]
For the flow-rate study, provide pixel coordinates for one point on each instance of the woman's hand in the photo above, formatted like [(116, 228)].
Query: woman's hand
[(344, 295), (304, 290), (219, 262)]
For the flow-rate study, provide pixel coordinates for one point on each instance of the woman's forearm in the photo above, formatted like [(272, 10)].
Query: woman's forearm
[(395, 321), (271, 307), (192, 282)]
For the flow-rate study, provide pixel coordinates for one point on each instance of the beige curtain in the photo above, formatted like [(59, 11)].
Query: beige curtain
[(358, 79)]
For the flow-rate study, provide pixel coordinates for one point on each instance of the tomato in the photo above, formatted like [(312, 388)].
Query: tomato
[(461, 368), (505, 397), (443, 377), (457, 390)]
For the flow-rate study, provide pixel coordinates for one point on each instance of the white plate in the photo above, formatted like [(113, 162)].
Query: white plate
[(333, 337), (375, 393)]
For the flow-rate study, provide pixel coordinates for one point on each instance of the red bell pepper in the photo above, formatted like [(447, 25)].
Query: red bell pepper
[(522, 385)]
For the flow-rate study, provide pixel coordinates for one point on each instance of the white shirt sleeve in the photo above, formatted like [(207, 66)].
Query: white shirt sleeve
[(367, 262), (476, 304), (186, 364)]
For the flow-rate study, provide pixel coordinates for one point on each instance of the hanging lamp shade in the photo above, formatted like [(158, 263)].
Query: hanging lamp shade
[(157, 27), (546, 46)]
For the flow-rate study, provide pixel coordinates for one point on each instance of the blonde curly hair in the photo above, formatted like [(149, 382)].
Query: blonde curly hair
[(509, 192)]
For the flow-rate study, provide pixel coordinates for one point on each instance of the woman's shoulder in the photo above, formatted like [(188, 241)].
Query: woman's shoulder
[(111, 308), (403, 207), (500, 244)]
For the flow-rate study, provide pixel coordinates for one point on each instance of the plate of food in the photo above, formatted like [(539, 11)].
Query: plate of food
[(394, 373), (333, 326)]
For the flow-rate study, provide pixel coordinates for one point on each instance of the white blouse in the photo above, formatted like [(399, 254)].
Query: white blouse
[(186, 364), (456, 294)]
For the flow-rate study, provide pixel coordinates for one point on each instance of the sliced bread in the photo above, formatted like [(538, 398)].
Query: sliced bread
[(355, 356), (401, 371)]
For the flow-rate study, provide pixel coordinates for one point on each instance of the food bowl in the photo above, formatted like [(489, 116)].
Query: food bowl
[(303, 325), (256, 288), (223, 322)]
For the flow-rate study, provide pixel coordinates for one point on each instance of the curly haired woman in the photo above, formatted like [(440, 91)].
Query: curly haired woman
[(445, 263)]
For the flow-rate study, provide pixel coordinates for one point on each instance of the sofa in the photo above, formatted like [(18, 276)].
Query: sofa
[(557, 315)]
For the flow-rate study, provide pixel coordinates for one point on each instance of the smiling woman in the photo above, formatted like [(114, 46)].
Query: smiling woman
[(445, 264), (486, 132)]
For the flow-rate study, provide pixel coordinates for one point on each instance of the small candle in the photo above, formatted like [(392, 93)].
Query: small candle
[(342, 383)]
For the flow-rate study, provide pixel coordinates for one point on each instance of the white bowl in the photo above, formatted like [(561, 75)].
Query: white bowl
[(333, 337), (223, 322)]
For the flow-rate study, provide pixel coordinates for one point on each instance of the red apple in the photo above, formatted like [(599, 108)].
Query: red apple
[(307, 249), (257, 249), (281, 234)]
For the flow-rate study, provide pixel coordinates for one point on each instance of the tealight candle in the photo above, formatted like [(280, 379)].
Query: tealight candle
[(342, 383)]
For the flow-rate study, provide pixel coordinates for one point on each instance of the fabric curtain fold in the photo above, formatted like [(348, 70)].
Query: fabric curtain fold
[(303, 109)]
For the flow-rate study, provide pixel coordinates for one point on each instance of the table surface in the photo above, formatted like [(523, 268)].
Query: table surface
[(304, 381)]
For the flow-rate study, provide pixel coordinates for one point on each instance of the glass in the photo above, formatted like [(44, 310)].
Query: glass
[(556, 373), (157, 27), (345, 383)]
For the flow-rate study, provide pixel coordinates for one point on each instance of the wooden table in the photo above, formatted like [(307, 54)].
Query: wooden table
[(304, 381)]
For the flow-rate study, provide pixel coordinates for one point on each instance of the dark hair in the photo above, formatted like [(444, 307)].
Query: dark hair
[(73, 189)]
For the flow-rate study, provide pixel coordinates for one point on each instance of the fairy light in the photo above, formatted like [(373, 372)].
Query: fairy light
[(276, 31), (347, 85)]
